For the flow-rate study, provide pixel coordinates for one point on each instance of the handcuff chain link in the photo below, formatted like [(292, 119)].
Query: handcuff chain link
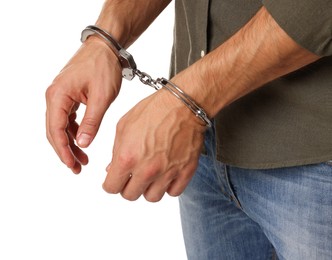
[(146, 79)]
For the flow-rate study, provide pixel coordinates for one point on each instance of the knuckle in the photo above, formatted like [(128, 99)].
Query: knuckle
[(51, 131), (50, 92), (53, 138), (55, 91), (90, 122), (149, 174), (120, 126), (126, 160)]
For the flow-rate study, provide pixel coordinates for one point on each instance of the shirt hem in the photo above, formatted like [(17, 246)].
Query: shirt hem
[(275, 165)]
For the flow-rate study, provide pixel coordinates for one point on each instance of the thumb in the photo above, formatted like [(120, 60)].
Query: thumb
[(91, 121)]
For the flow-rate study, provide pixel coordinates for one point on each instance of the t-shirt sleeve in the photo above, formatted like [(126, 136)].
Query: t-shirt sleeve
[(307, 22)]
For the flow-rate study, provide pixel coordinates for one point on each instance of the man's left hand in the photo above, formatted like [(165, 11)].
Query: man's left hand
[(156, 149)]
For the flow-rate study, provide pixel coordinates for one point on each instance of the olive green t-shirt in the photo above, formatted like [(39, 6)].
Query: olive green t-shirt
[(288, 121)]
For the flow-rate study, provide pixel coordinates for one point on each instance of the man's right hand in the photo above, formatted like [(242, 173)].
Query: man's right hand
[(92, 77)]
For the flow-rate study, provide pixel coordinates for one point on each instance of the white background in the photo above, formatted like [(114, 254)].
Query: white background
[(46, 212)]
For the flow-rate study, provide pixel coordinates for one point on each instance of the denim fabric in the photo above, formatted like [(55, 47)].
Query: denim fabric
[(233, 213)]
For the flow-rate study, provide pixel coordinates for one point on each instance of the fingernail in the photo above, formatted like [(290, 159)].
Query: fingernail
[(83, 140)]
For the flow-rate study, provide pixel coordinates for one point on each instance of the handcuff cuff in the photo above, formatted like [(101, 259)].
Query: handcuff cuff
[(129, 71)]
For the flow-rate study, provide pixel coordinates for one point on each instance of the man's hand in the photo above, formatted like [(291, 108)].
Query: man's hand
[(92, 77), (156, 149)]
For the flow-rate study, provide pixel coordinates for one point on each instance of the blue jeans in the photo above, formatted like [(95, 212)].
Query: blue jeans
[(232, 213)]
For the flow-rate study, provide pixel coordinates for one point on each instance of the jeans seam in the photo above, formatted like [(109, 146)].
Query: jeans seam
[(274, 255), (233, 197), (217, 170)]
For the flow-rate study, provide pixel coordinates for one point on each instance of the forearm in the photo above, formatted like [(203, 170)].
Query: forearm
[(258, 53), (126, 20)]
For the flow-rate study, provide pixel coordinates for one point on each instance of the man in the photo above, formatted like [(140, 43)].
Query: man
[(263, 185)]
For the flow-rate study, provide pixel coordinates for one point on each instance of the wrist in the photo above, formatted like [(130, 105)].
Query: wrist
[(192, 83), (178, 110), (125, 58), (186, 100), (117, 29), (98, 45)]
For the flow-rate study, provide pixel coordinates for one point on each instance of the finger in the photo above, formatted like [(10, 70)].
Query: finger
[(95, 110), (72, 127), (182, 179), (77, 168), (57, 120), (143, 177), (134, 188), (75, 108), (80, 156), (117, 178), (156, 191), (178, 186)]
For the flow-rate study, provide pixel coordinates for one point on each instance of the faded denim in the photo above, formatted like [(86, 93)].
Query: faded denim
[(234, 214)]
